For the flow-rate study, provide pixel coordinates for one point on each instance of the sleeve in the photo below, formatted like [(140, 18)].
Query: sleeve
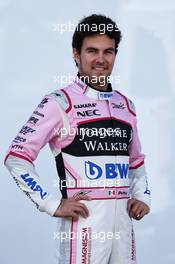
[(137, 172), (33, 136)]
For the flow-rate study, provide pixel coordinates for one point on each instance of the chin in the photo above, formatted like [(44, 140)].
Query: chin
[(99, 73)]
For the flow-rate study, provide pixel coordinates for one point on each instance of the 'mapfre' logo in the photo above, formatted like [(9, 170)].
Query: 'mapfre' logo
[(112, 170), (34, 186)]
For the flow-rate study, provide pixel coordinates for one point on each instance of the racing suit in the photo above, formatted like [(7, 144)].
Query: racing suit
[(93, 137)]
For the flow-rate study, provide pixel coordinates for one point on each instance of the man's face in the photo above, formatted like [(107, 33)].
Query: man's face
[(96, 58)]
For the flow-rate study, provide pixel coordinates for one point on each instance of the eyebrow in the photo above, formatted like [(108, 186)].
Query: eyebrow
[(93, 48), (112, 49)]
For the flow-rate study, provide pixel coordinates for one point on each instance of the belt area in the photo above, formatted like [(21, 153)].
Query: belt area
[(99, 193)]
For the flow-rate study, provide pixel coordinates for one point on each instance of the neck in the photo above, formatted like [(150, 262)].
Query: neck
[(100, 87), (105, 86)]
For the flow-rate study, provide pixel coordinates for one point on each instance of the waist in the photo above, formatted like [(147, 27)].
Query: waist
[(99, 193)]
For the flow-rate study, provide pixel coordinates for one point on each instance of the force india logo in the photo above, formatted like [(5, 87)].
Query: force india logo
[(111, 170)]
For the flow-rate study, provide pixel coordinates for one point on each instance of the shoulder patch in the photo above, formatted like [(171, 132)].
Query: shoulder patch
[(60, 98), (131, 106)]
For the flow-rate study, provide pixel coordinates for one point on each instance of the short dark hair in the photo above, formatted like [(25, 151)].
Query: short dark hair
[(92, 25)]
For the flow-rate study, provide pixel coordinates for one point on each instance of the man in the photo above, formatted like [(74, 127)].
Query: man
[(92, 132)]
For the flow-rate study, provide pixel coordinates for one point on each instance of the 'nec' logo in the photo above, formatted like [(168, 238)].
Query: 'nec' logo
[(88, 113)]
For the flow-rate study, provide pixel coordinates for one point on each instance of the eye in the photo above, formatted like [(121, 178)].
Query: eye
[(109, 51), (91, 51)]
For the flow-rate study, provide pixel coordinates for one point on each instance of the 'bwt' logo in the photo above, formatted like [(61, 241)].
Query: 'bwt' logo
[(111, 170)]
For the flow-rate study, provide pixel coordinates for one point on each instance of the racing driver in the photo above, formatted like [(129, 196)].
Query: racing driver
[(91, 129)]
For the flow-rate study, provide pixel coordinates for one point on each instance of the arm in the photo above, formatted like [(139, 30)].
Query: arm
[(137, 173), (139, 204), (35, 134)]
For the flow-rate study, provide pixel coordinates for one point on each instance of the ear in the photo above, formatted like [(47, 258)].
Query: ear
[(76, 55)]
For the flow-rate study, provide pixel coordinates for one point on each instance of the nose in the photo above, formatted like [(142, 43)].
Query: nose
[(100, 58)]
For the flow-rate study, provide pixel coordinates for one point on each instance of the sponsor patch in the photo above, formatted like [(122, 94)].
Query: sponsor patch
[(34, 186)]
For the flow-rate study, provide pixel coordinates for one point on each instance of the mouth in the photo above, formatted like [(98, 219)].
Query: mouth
[(99, 68)]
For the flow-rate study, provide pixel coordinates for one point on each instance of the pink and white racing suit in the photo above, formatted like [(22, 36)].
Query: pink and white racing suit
[(93, 137)]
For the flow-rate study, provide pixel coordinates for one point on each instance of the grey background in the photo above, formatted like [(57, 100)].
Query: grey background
[(32, 56)]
